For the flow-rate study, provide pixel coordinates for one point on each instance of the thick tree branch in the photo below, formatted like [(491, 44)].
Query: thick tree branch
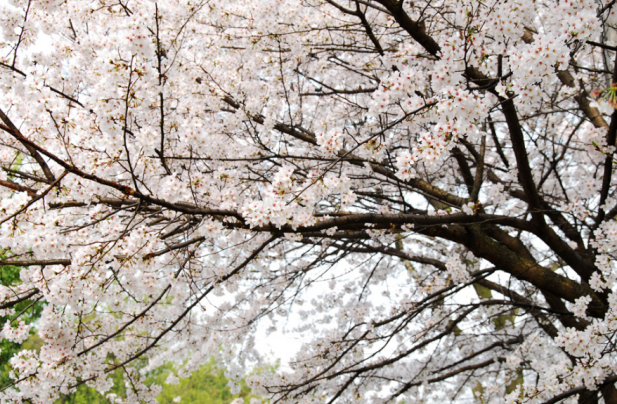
[(412, 27), (12, 129)]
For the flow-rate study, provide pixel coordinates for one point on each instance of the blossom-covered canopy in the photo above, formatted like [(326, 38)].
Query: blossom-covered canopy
[(421, 189)]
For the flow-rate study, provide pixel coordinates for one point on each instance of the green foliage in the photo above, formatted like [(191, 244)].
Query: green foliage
[(208, 385), (478, 393), (500, 321), (30, 312), (482, 291), (519, 380)]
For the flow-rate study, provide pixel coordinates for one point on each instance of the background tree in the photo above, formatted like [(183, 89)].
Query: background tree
[(207, 385), (27, 311), (191, 171)]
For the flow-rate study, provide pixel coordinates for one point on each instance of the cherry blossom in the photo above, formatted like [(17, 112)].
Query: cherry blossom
[(421, 192)]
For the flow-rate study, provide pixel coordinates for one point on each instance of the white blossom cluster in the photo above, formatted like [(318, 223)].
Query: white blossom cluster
[(422, 192)]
